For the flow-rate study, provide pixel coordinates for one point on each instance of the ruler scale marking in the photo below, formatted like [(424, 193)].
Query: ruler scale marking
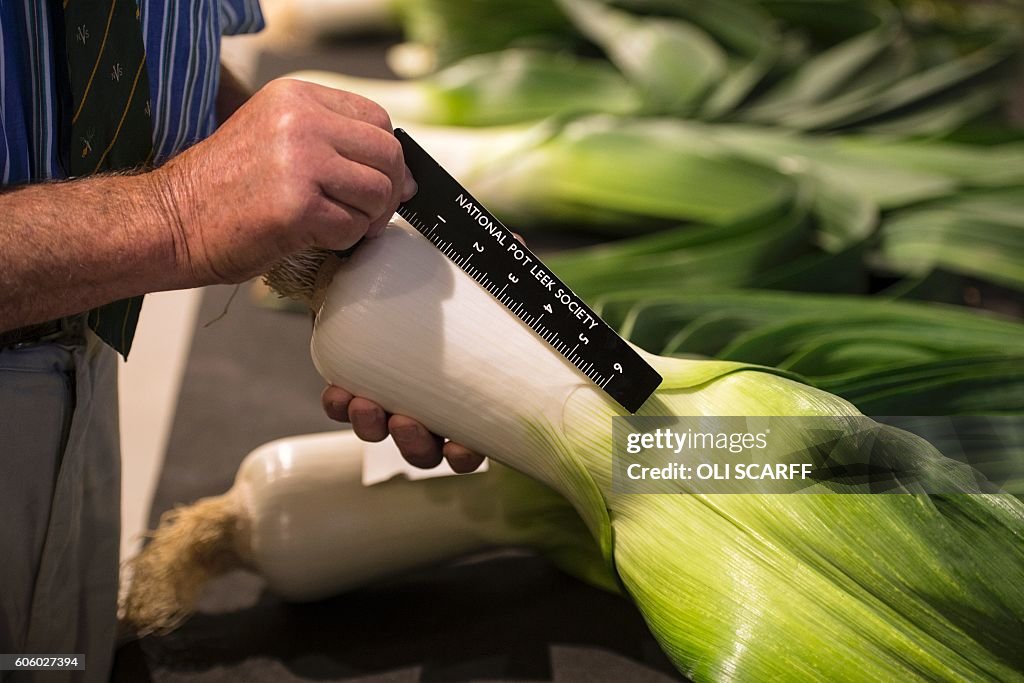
[(466, 231)]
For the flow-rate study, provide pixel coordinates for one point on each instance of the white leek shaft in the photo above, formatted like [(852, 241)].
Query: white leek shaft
[(403, 326), (405, 101), (314, 530), (299, 515), (305, 20)]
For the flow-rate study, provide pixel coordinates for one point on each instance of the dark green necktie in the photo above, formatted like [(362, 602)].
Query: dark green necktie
[(110, 116)]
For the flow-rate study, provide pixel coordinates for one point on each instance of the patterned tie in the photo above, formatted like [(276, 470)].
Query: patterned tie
[(110, 116)]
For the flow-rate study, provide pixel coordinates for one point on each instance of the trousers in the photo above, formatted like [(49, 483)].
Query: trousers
[(60, 491)]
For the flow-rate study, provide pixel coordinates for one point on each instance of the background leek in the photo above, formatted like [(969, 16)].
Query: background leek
[(873, 122), (299, 515)]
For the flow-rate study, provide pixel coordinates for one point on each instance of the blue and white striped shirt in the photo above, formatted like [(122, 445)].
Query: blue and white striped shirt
[(182, 39)]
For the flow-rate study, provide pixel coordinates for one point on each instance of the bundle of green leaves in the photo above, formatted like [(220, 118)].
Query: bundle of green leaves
[(794, 144)]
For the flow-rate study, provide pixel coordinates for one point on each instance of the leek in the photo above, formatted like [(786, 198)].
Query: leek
[(496, 89), (455, 29), (782, 329), (980, 234), (299, 516), (886, 172), (816, 586), (304, 20), (806, 65), (607, 174), (886, 357), (733, 255), (773, 209), (673, 63)]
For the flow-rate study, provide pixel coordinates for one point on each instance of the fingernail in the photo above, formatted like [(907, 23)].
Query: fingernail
[(410, 186)]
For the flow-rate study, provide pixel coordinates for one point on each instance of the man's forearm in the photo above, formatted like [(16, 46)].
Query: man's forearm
[(66, 247), (297, 166)]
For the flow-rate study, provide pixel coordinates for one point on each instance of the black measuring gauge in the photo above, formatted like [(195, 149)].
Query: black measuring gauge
[(457, 224)]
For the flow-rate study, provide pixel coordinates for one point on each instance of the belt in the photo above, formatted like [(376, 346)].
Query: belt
[(68, 328)]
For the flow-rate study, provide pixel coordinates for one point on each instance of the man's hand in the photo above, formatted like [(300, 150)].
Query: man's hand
[(418, 446), (298, 165)]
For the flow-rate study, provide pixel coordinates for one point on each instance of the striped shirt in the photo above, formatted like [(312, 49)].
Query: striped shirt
[(182, 39)]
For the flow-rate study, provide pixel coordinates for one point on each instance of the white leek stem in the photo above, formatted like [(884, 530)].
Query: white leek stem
[(306, 19), (299, 516), (314, 530), (404, 100), (482, 379)]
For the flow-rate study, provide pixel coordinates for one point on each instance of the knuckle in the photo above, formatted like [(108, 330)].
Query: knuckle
[(365, 412), (288, 125), (284, 87), (380, 193), (375, 114), (417, 445), (353, 224), (335, 409), (284, 123), (389, 157), (396, 156), (287, 145), (295, 203), (368, 433)]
